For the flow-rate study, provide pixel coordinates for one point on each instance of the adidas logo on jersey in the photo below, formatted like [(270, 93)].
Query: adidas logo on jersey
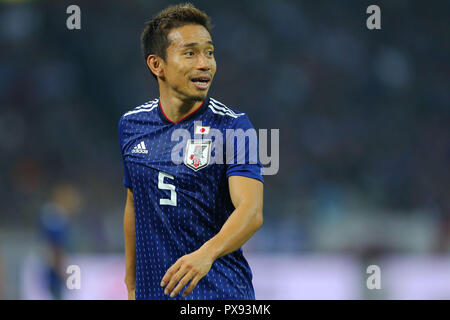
[(140, 148)]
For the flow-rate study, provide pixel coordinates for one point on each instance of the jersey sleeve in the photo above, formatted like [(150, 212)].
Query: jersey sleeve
[(126, 174), (242, 150)]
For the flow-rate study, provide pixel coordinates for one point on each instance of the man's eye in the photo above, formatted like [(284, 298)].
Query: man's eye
[(189, 53), (210, 52)]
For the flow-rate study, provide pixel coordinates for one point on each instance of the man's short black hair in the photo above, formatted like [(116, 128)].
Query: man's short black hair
[(154, 37)]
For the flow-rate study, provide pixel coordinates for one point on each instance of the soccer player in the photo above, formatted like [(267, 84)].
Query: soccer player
[(185, 222)]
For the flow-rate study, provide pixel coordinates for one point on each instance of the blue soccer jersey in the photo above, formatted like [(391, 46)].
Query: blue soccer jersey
[(178, 173)]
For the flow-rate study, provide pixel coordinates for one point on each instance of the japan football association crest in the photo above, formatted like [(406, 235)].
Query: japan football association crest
[(198, 154)]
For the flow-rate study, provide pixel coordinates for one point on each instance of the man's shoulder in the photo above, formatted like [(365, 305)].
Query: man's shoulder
[(141, 109), (222, 110)]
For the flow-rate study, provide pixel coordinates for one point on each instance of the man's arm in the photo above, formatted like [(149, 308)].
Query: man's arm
[(130, 246), (247, 197)]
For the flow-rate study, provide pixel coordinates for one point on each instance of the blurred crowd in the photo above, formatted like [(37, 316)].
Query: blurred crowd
[(363, 116)]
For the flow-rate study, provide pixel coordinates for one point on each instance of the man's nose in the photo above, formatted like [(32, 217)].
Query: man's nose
[(203, 63)]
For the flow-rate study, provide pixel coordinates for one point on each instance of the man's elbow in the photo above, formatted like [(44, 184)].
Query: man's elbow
[(258, 219), (254, 215)]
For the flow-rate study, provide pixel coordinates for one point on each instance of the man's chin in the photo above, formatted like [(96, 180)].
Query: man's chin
[(198, 97)]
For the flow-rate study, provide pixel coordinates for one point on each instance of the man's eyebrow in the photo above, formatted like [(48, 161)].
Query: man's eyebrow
[(193, 44)]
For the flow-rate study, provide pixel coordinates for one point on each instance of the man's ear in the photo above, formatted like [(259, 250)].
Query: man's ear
[(156, 65)]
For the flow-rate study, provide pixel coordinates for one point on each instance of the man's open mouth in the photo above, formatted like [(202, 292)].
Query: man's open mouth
[(201, 83)]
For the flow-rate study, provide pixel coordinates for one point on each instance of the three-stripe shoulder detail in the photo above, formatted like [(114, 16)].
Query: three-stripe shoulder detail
[(219, 108), (146, 107)]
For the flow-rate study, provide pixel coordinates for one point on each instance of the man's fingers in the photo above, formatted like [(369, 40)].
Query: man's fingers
[(169, 273), (174, 280), (192, 285), (182, 283)]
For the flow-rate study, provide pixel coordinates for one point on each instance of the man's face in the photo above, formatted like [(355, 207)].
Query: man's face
[(190, 65)]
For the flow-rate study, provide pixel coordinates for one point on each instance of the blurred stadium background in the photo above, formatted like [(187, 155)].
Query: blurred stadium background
[(364, 142)]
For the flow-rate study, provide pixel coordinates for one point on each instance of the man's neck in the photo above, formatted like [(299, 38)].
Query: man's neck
[(176, 109)]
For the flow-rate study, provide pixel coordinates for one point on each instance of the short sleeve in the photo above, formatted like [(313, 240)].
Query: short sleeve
[(126, 174), (242, 150)]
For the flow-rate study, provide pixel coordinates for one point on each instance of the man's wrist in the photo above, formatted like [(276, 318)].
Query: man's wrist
[(131, 285), (211, 249)]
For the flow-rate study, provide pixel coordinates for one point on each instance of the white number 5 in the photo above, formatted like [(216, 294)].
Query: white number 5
[(167, 186)]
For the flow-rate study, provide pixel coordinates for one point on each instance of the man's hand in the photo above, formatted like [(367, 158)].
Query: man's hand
[(191, 267), (132, 294)]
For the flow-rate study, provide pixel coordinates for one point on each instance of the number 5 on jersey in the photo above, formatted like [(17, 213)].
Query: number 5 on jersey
[(167, 186)]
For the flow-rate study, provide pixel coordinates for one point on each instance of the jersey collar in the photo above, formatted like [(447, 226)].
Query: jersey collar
[(187, 117)]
